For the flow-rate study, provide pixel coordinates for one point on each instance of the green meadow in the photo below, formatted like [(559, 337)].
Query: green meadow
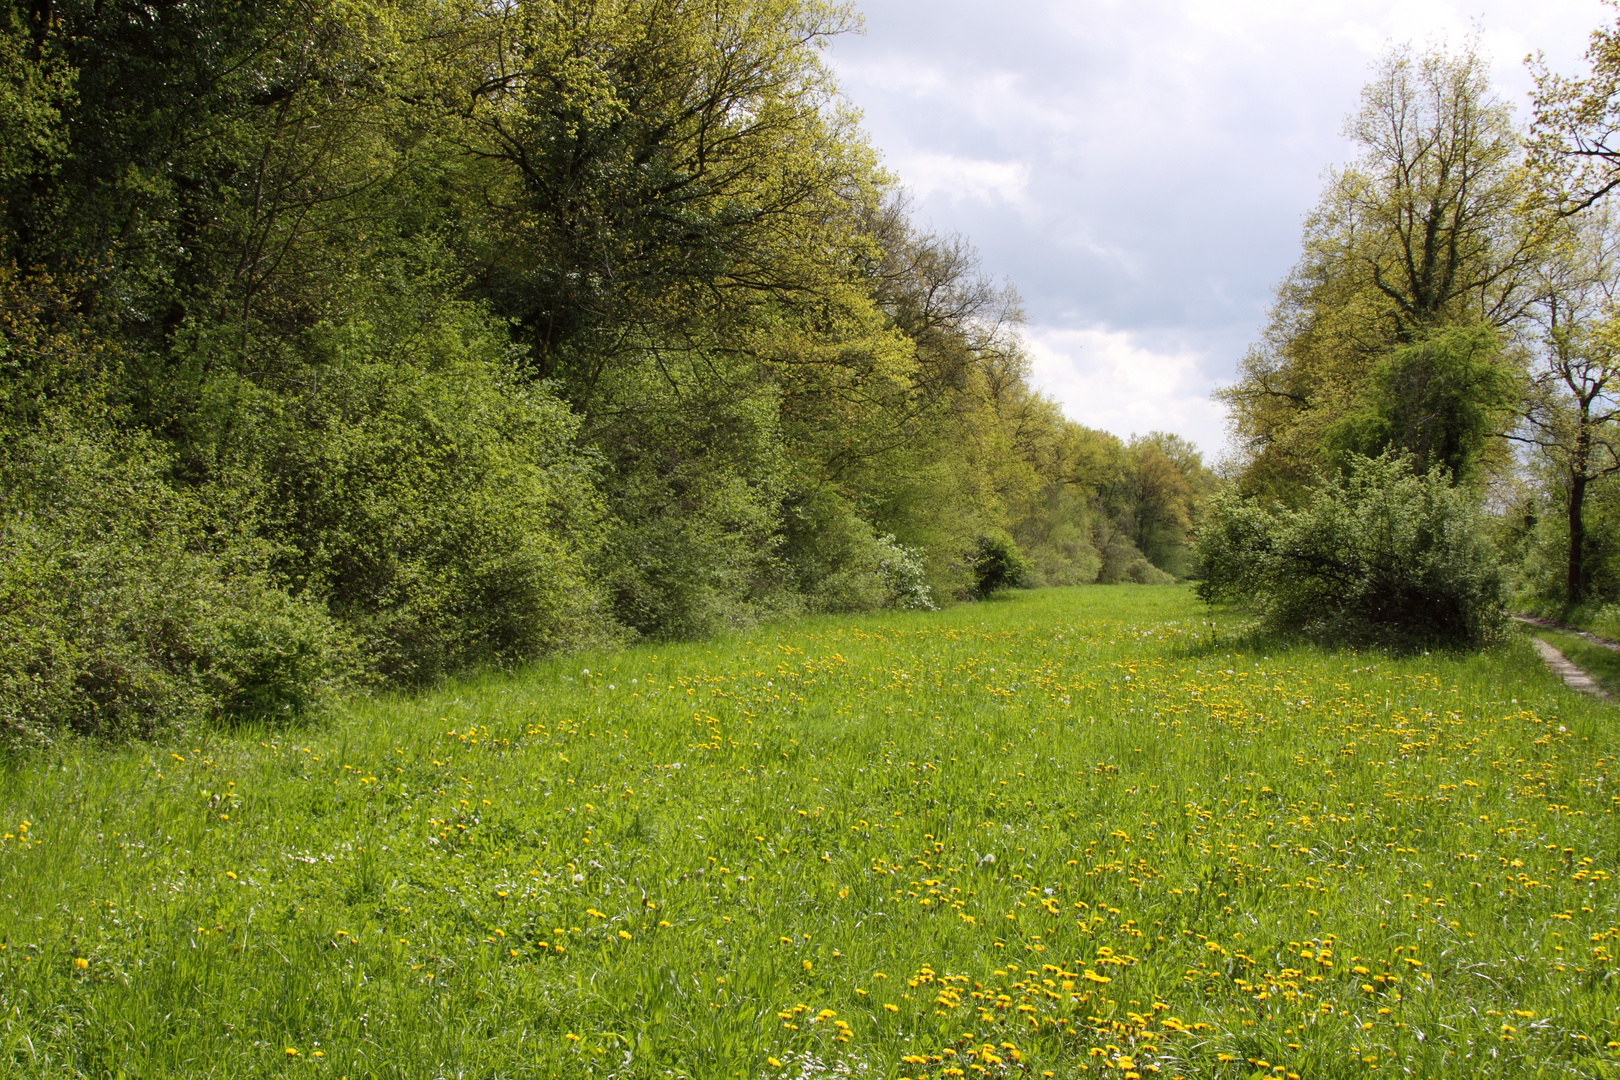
[(1092, 832)]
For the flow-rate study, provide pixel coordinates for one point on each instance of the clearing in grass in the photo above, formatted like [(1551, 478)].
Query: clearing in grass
[(1081, 832)]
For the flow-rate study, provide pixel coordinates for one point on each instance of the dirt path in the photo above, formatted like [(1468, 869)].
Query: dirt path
[(1548, 624), (1573, 677)]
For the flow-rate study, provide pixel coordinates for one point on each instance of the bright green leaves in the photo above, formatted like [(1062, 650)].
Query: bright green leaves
[(1440, 400), (1381, 554), (1425, 234)]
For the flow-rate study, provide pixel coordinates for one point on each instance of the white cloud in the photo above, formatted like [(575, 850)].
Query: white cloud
[(1111, 379), (927, 174), (986, 94)]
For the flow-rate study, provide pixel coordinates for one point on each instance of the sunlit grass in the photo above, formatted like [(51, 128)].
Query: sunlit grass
[(1075, 833)]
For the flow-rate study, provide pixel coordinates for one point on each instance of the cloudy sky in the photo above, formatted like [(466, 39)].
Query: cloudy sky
[(1140, 169)]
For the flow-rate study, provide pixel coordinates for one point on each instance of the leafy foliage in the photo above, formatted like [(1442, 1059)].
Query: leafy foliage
[(128, 608), (1439, 399), (433, 500), (506, 329), (1381, 554), (1417, 255), (999, 565)]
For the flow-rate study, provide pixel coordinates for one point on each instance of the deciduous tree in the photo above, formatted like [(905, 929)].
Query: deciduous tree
[(1424, 232)]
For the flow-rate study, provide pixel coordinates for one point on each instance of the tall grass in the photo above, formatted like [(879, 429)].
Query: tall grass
[(1082, 832)]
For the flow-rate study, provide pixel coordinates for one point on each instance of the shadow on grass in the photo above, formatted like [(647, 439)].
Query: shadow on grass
[(1229, 628)]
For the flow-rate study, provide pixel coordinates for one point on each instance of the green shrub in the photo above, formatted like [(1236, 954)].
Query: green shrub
[(1379, 554), (839, 564), (1122, 562), (695, 474), (1139, 571), (123, 614), (998, 565), (430, 497)]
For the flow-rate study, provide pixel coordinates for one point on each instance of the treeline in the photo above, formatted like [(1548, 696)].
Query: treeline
[(1427, 428), (376, 341)]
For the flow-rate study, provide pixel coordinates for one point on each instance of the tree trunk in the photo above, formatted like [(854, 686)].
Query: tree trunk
[(1577, 537), (1574, 586)]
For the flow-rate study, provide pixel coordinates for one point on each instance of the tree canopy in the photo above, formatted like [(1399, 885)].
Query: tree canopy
[(1452, 314), (442, 335), (1416, 259)]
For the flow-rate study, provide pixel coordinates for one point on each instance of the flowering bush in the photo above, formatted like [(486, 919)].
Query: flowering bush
[(905, 574)]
